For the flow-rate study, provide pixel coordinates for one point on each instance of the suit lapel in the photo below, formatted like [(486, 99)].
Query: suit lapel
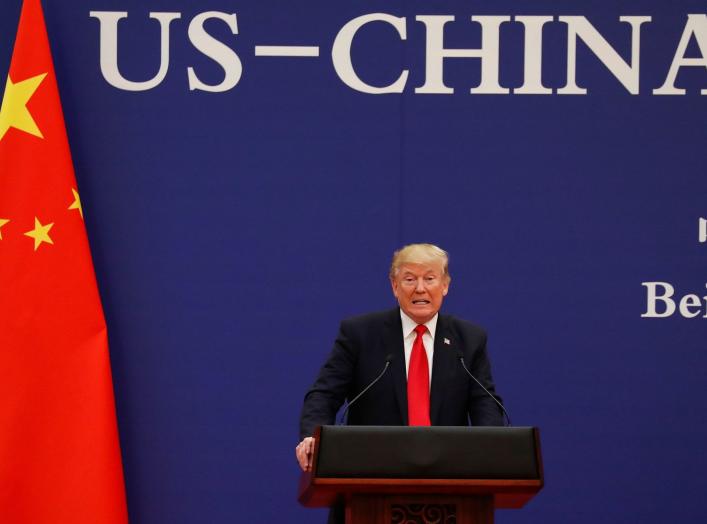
[(442, 360), (394, 344)]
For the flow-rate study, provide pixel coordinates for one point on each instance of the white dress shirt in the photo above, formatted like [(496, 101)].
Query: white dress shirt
[(428, 339)]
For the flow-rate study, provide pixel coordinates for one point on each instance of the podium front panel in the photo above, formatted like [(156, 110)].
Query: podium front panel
[(437, 452)]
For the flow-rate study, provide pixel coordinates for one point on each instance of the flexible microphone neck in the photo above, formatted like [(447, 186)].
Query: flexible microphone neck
[(460, 356), (388, 359)]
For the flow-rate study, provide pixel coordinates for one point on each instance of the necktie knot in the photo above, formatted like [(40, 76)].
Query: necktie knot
[(420, 329)]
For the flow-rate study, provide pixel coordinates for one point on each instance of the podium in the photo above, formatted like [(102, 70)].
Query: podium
[(438, 474)]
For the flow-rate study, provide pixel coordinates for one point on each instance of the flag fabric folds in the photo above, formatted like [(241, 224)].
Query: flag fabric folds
[(59, 451)]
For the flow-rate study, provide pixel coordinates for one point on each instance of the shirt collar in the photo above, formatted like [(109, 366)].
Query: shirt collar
[(409, 324)]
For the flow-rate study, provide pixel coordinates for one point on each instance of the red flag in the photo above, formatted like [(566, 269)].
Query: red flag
[(59, 450)]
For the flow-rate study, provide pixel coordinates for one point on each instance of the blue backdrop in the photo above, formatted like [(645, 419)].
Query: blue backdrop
[(231, 231)]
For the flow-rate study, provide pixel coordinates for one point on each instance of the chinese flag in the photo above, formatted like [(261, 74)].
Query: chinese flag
[(59, 451)]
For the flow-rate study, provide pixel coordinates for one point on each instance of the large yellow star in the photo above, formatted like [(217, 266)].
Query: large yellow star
[(40, 233), (14, 112), (76, 204), (3, 221)]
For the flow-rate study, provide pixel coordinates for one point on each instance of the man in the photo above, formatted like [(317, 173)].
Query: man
[(425, 383)]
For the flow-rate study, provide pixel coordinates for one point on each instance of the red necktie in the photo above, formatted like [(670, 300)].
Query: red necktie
[(418, 383)]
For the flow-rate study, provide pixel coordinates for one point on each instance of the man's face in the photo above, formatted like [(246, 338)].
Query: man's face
[(420, 289)]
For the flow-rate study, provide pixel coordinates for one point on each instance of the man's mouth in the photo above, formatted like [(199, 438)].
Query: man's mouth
[(420, 302)]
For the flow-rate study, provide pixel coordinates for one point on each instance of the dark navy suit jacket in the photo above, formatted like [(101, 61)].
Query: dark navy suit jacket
[(359, 355)]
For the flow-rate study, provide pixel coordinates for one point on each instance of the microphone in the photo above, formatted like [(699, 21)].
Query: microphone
[(388, 359), (460, 356)]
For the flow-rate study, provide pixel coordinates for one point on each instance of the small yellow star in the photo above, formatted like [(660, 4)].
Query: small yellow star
[(76, 204), (3, 221), (14, 112), (40, 233)]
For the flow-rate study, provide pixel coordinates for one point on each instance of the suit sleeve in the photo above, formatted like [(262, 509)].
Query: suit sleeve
[(332, 386), (483, 411)]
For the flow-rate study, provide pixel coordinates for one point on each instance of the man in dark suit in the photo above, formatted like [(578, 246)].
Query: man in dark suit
[(425, 383)]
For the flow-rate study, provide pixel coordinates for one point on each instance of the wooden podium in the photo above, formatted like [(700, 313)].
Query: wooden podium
[(389, 474)]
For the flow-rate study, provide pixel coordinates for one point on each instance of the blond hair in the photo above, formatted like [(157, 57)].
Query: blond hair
[(420, 254)]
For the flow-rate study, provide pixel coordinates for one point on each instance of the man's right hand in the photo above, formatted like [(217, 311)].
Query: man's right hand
[(304, 452)]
